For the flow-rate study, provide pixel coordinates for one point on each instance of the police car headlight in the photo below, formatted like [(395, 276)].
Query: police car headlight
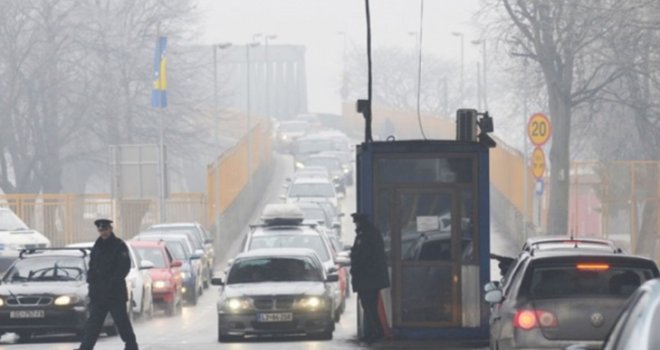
[(284, 137), (346, 170), (64, 300), (161, 284), (185, 275), (238, 304), (2, 302), (311, 303)]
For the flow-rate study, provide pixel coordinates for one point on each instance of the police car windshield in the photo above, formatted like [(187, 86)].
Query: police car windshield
[(315, 214), (273, 270), (44, 269), (314, 242)]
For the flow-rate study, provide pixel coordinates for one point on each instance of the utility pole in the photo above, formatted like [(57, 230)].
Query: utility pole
[(249, 115), (216, 117), (459, 34), (268, 72)]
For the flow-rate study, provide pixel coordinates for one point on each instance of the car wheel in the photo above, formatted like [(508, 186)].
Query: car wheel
[(24, 337), (171, 308), (326, 335), (193, 297)]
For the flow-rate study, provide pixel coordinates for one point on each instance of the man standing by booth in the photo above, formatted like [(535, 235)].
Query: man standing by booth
[(369, 273)]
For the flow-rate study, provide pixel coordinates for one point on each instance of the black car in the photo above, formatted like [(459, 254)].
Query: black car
[(45, 291)]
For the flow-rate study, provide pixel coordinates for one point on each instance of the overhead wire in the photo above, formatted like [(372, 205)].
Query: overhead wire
[(419, 69), (368, 137)]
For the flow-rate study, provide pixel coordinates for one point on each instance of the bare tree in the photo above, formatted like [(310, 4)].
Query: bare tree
[(566, 39)]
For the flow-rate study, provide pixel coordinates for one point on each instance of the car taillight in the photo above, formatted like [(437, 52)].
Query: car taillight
[(592, 266), (529, 319)]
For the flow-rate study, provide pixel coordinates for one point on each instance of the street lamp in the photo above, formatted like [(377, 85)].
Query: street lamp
[(266, 39), (416, 35), (216, 117), (249, 122), (459, 34), (344, 74), (484, 90)]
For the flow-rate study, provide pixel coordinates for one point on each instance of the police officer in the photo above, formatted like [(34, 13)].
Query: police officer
[(369, 273), (108, 266)]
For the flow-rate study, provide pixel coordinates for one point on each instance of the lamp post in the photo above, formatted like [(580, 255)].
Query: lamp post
[(459, 34), (484, 89), (249, 121), (266, 39), (416, 36), (216, 117), (344, 83)]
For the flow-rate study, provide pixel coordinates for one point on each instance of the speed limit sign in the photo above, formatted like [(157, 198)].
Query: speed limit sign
[(539, 129)]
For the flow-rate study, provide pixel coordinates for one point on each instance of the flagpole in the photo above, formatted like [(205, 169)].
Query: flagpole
[(161, 151)]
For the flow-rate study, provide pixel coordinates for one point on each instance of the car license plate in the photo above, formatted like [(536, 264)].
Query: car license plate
[(27, 314), (275, 317)]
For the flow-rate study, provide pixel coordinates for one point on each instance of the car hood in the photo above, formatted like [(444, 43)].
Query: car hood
[(273, 288), (159, 274), (48, 288)]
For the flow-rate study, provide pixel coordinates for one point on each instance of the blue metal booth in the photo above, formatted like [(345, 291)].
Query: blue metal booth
[(430, 200)]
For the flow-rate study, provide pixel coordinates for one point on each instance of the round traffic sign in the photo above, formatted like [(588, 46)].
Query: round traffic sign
[(538, 163), (539, 129)]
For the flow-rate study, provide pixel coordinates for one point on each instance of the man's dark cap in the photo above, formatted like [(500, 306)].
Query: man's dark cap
[(102, 223), (358, 217)]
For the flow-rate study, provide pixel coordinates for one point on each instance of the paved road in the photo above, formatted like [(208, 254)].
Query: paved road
[(195, 327)]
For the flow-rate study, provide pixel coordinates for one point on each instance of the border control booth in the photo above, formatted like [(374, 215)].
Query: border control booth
[(430, 201)]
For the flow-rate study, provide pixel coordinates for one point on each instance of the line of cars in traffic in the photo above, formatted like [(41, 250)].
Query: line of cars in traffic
[(45, 289), (575, 293), (291, 276)]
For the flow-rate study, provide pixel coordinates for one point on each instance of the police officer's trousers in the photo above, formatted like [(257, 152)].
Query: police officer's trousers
[(98, 313), (373, 327)]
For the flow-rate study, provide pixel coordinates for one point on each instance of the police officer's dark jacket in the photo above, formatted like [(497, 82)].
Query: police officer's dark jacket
[(368, 262), (108, 266)]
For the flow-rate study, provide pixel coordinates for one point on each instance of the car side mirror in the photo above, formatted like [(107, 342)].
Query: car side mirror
[(490, 286), (208, 241), (197, 254), (342, 261), (176, 263), (332, 270), (217, 281), (146, 265), (336, 225), (347, 248), (494, 296), (341, 215), (333, 277)]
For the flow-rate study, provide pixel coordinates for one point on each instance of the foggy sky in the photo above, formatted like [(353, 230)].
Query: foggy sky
[(316, 23)]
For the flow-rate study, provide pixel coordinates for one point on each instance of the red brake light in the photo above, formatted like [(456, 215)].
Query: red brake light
[(529, 319), (593, 266)]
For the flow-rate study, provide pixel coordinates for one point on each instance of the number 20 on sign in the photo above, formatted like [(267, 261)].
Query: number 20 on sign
[(539, 129)]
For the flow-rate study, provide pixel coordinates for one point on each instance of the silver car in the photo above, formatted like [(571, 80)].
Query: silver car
[(276, 292), (636, 326), (558, 297)]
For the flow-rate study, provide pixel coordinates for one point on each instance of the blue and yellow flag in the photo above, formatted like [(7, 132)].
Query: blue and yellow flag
[(159, 92)]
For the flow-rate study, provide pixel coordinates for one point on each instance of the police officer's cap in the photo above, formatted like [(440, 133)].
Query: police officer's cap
[(359, 217), (102, 223)]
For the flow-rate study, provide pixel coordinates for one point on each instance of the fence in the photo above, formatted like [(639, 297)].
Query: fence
[(69, 218), (228, 176)]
